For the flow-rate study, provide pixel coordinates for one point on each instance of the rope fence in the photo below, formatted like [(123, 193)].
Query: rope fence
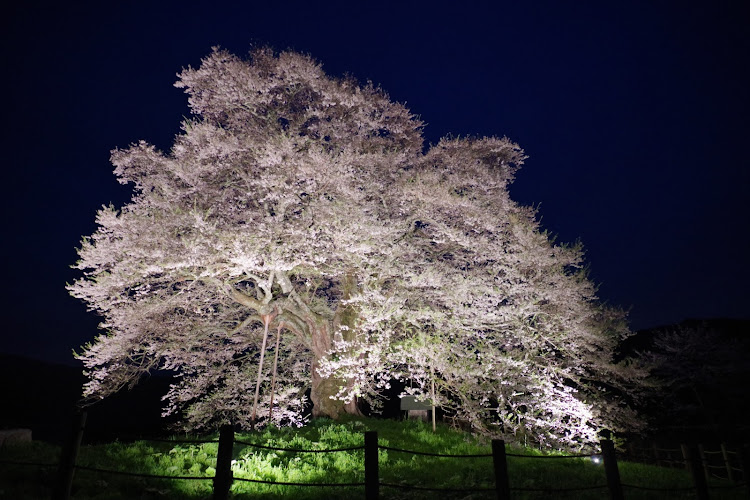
[(694, 459)]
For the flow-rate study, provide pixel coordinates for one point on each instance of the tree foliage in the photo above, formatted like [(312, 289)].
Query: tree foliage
[(300, 206), (699, 371)]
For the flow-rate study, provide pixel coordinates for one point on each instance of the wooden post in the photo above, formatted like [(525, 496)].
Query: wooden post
[(727, 462), (68, 457), (372, 480), (611, 470), (699, 478), (656, 454), (685, 456), (275, 367), (223, 477), (500, 464), (745, 466), (266, 320), (704, 462), (432, 372)]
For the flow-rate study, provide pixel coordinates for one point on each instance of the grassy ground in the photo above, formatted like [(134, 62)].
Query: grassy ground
[(463, 475)]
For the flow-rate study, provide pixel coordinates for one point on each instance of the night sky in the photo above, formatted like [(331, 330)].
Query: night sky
[(635, 117)]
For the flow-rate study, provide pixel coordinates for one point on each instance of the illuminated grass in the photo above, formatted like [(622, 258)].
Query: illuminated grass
[(177, 459)]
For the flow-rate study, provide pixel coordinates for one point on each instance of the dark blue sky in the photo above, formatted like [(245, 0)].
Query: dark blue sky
[(635, 117)]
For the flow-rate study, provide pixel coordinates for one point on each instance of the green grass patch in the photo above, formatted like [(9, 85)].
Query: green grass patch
[(199, 460)]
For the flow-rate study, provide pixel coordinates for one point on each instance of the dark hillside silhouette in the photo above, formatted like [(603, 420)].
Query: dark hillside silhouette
[(705, 368), (43, 396)]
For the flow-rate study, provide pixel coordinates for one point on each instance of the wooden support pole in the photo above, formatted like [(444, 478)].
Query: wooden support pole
[(275, 368), (266, 320), (372, 479), (611, 470), (223, 477), (656, 453), (432, 372), (685, 456), (68, 457), (696, 470), (704, 462), (500, 464)]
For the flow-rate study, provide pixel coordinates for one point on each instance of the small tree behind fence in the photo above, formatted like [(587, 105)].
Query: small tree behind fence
[(694, 459)]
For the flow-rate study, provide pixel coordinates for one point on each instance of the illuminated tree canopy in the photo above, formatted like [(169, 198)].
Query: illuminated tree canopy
[(300, 210)]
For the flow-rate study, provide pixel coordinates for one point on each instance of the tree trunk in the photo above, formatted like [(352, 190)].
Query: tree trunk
[(324, 388), (323, 405)]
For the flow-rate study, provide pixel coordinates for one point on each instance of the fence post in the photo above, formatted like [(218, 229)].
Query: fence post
[(68, 457), (500, 463), (223, 477), (745, 465), (704, 462), (611, 470), (696, 470), (727, 462), (686, 456), (372, 480), (656, 454)]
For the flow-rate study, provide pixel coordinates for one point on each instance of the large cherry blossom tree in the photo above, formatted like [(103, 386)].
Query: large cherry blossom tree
[(297, 237)]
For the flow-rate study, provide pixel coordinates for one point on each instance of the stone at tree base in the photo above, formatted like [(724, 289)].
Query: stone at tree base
[(423, 415)]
